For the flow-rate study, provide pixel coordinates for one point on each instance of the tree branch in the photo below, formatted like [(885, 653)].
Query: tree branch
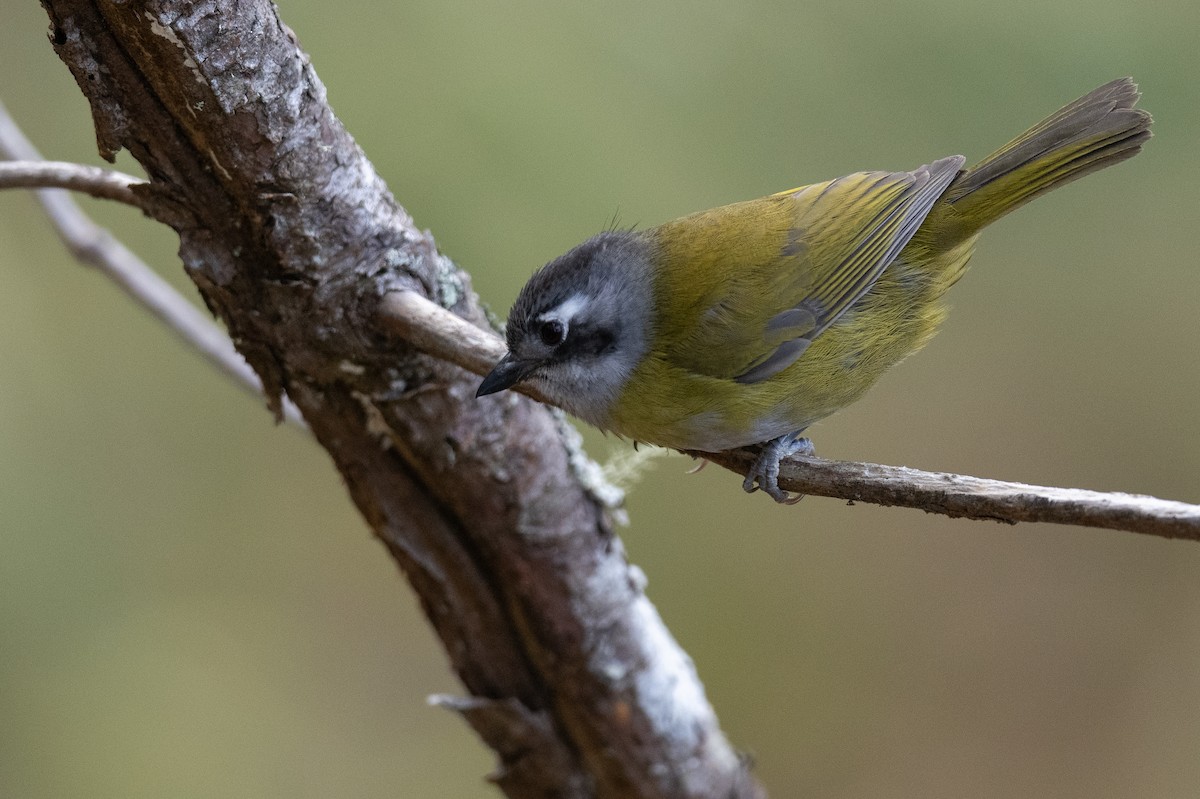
[(446, 336), (104, 184), (293, 240)]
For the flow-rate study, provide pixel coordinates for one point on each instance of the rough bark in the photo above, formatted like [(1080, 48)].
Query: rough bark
[(293, 241)]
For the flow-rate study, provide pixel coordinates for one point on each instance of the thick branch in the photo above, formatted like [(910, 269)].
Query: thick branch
[(293, 240), (446, 336)]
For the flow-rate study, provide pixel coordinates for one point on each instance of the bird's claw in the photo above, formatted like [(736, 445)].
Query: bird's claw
[(764, 473)]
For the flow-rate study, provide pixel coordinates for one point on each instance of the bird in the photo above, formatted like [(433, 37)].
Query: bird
[(745, 324)]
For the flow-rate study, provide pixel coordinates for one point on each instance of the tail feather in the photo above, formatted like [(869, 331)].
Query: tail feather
[(1100, 129)]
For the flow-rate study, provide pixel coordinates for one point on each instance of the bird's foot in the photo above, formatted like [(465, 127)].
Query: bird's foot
[(765, 472)]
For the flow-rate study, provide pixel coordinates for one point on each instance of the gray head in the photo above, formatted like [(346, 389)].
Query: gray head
[(580, 325)]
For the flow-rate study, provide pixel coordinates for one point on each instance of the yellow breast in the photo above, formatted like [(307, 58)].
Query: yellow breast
[(668, 403)]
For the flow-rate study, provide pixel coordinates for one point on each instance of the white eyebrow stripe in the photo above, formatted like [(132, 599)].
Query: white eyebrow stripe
[(567, 309)]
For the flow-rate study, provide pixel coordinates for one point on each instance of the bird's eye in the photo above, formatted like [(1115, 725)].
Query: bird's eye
[(552, 332)]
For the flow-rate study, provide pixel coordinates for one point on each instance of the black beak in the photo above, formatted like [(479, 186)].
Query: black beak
[(506, 374)]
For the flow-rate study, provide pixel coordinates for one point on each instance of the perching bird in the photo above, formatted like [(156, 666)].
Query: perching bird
[(749, 322)]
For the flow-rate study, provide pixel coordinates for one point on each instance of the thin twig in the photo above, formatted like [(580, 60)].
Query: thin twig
[(442, 334), (104, 184), (959, 495), (95, 246)]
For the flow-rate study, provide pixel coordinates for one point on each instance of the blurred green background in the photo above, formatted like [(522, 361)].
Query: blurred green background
[(189, 606)]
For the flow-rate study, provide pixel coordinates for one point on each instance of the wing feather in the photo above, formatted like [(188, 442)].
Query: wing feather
[(752, 285)]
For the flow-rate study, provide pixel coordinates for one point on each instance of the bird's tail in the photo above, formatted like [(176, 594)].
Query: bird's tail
[(1100, 129)]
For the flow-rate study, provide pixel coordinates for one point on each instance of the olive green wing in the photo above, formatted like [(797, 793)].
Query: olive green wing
[(769, 276)]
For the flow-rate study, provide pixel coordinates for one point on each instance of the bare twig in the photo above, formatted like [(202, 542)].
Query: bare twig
[(95, 246), (442, 334), (104, 184), (958, 495)]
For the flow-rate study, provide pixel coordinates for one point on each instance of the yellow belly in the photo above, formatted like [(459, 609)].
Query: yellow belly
[(673, 407)]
